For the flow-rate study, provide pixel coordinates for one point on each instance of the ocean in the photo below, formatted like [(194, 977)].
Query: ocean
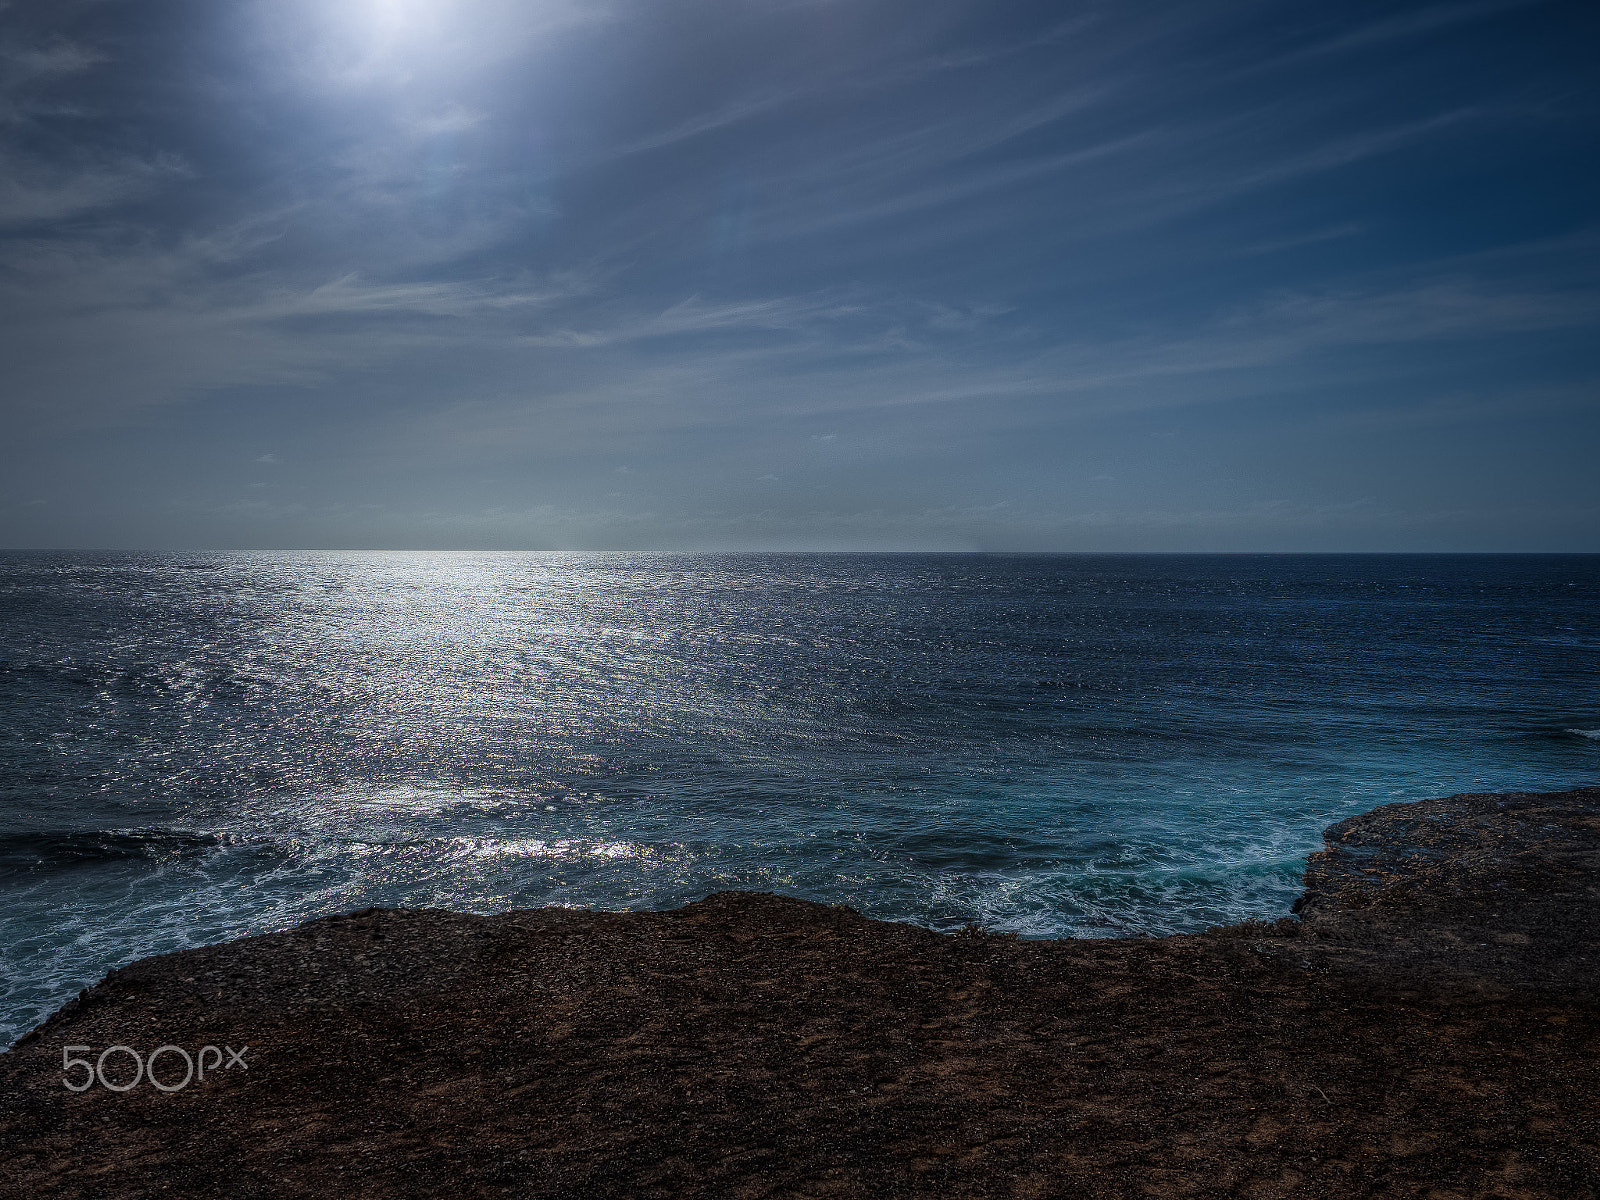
[(195, 747)]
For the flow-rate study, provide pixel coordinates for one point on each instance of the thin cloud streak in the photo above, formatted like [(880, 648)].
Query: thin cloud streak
[(1410, 25)]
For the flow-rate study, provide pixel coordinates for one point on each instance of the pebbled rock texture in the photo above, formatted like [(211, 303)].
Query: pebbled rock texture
[(1400, 1040), (1478, 892)]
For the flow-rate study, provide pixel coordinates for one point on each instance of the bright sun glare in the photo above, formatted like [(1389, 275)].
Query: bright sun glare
[(364, 42), (390, 25)]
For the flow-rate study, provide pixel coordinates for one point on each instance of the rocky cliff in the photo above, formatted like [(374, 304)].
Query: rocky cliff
[(1428, 1027)]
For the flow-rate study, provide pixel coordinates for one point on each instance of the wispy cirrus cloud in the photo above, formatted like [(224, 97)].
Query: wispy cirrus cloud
[(38, 187), (1403, 25), (878, 261), (34, 192), (694, 316)]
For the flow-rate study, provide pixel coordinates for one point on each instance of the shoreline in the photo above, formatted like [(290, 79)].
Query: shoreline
[(1428, 1025)]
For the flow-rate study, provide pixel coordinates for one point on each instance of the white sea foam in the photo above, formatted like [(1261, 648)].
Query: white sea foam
[(1592, 734)]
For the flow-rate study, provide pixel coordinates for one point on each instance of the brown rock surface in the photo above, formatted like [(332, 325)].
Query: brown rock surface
[(1430, 1029)]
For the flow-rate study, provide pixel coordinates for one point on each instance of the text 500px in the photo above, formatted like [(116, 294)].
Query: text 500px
[(209, 1058)]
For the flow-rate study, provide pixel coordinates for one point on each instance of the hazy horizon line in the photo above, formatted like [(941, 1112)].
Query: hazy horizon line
[(841, 553)]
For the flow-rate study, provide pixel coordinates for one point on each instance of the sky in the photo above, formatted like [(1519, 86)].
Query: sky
[(1209, 275)]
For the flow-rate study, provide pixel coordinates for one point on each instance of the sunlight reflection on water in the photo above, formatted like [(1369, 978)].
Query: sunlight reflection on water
[(1059, 746)]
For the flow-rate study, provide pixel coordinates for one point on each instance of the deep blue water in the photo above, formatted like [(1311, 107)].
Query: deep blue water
[(194, 747)]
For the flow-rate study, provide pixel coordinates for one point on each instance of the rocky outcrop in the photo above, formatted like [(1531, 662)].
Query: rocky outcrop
[(1477, 892), (1398, 1040)]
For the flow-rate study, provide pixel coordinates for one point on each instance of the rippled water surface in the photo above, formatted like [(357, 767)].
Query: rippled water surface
[(200, 746)]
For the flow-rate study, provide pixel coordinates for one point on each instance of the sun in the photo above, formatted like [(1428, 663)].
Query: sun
[(363, 42), (401, 18), (397, 26)]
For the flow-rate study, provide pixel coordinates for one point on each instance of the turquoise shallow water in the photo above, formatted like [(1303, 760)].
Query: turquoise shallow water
[(196, 747)]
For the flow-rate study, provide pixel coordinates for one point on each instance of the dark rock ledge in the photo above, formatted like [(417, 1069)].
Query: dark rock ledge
[(1428, 1028)]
